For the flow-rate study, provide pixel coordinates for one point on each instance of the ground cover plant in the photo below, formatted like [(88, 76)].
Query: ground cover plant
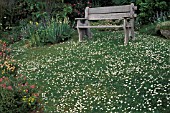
[(100, 75)]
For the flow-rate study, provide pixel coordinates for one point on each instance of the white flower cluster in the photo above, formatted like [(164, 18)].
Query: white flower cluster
[(101, 75)]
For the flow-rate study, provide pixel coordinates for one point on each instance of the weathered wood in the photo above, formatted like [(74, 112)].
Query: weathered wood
[(132, 31), (87, 31), (125, 12), (135, 8), (87, 12), (80, 19), (80, 31), (115, 26), (108, 16), (132, 13), (132, 10), (126, 30), (110, 9)]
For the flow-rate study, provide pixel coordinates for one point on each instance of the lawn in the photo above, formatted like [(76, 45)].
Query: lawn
[(100, 75)]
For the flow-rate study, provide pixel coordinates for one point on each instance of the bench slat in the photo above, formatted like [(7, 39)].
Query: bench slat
[(110, 9), (108, 16), (115, 26)]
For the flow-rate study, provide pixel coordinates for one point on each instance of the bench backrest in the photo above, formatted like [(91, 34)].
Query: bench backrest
[(111, 12)]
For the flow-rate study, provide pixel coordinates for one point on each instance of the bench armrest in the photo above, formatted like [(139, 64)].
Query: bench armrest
[(80, 19)]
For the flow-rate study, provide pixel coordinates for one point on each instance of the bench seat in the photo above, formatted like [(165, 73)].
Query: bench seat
[(125, 12), (101, 26)]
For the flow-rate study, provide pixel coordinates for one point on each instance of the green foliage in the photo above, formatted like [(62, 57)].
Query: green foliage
[(62, 16), (16, 94), (4, 51), (121, 2), (148, 29), (7, 103), (152, 10), (54, 31), (57, 31), (12, 11), (163, 26)]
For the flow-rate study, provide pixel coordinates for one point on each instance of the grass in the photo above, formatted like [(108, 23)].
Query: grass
[(101, 75)]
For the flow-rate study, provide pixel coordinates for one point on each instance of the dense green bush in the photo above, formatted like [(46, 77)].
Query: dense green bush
[(152, 10), (41, 12), (13, 11)]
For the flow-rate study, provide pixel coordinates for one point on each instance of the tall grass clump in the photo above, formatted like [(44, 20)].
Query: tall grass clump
[(42, 33)]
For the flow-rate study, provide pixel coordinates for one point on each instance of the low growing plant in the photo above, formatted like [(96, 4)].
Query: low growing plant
[(16, 93)]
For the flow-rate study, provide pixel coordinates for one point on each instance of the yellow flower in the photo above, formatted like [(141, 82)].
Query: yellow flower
[(3, 71), (30, 22), (12, 68), (24, 99), (36, 23), (31, 99), (1, 65), (6, 63)]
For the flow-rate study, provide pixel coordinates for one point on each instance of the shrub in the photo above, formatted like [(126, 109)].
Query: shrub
[(17, 95), (78, 8), (4, 51), (164, 29), (152, 10), (163, 26)]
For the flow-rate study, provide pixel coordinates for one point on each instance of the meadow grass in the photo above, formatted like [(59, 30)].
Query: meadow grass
[(101, 75)]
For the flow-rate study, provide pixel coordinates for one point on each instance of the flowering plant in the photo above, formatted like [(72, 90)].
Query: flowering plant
[(25, 95), (16, 94), (4, 51)]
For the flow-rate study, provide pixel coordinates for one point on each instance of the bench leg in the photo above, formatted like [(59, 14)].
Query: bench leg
[(80, 31), (132, 31), (126, 31), (88, 31), (81, 34)]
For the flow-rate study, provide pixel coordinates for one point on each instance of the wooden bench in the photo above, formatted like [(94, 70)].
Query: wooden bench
[(125, 12)]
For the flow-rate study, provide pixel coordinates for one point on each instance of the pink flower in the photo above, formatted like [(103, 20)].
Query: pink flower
[(1, 79), (26, 90), (3, 85), (4, 44), (32, 86), (88, 2), (73, 4), (35, 94), (9, 87), (78, 12)]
